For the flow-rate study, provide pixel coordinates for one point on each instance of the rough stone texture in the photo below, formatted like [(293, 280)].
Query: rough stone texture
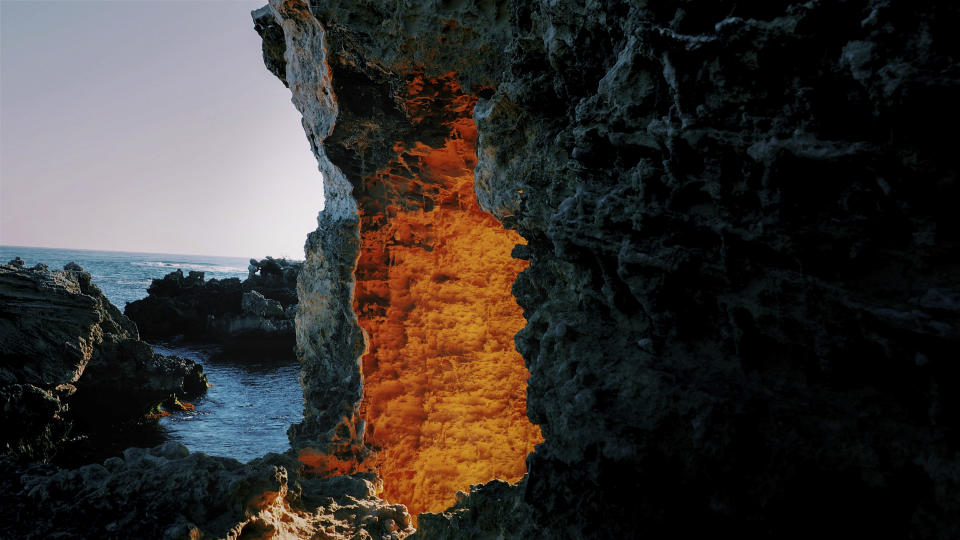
[(489, 511), (167, 492), (71, 364), (329, 340), (743, 302), (252, 317)]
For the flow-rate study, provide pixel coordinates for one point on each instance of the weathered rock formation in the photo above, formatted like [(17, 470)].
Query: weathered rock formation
[(167, 492), (254, 317), (72, 366), (406, 284), (742, 303)]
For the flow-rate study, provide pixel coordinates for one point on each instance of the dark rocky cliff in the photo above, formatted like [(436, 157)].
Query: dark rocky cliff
[(743, 295)]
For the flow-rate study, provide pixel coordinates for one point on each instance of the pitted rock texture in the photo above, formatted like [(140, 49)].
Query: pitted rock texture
[(72, 366), (443, 386), (492, 510), (742, 298), (168, 493)]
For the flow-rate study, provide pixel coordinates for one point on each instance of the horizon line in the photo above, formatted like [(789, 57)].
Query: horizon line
[(141, 252)]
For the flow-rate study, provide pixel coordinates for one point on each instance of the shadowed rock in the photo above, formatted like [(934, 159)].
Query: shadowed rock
[(254, 317), (167, 492), (72, 365)]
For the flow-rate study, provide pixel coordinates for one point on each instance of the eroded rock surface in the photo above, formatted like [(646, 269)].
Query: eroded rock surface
[(167, 492), (741, 302), (429, 281), (72, 366)]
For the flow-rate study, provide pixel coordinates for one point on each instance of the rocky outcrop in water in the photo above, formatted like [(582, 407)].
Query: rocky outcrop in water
[(167, 492), (742, 301), (72, 367), (253, 317)]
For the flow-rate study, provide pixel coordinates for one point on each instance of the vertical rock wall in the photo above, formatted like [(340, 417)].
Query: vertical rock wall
[(443, 386), (743, 302), (329, 341)]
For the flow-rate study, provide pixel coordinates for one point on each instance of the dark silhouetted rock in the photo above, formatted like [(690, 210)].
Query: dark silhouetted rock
[(71, 365), (253, 318)]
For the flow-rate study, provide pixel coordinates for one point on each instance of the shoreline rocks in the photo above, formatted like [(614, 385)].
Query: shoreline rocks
[(167, 492), (254, 317), (72, 367)]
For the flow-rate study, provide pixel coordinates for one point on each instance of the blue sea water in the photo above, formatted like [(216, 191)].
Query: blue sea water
[(247, 411)]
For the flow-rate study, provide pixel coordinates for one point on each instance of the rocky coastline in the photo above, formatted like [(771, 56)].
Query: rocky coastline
[(742, 303), (77, 384), (167, 492), (74, 375), (249, 318)]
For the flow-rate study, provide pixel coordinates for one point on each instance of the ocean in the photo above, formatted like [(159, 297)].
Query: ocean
[(247, 411)]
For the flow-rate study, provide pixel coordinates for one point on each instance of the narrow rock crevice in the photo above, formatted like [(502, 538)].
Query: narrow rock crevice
[(443, 387)]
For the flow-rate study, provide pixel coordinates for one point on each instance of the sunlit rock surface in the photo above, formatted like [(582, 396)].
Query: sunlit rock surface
[(741, 302), (72, 366)]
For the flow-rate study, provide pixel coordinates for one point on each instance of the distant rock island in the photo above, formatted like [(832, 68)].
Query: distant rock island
[(254, 317), (73, 368)]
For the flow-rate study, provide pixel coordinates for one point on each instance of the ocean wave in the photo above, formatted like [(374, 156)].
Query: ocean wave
[(133, 282), (203, 267)]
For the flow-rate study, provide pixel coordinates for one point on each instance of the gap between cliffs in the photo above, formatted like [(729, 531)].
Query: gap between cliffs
[(444, 389)]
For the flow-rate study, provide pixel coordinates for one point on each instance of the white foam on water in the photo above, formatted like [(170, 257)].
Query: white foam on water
[(203, 267)]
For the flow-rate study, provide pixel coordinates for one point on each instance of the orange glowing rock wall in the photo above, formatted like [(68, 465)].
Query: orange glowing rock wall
[(444, 388)]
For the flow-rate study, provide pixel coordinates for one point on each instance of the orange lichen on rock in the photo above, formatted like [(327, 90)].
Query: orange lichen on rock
[(444, 388)]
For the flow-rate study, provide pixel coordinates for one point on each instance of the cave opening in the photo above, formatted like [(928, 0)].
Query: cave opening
[(444, 389)]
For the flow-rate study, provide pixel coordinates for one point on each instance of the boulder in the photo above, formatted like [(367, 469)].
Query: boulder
[(167, 492), (251, 318), (71, 364)]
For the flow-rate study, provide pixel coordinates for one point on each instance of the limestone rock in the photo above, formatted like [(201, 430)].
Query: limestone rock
[(167, 492), (181, 305), (72, 364), (254, 303), (492, 510), (254, 317), (740, 302)]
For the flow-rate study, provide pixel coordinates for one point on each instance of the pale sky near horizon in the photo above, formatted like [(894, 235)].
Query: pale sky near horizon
[(148, 125)]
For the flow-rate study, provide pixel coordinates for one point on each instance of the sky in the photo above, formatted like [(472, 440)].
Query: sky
[(151, 126)]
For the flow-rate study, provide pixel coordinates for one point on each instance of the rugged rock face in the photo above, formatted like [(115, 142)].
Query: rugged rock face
[(429, 282), (743, 298), (72, 365), (167, 492), (251, 317)]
